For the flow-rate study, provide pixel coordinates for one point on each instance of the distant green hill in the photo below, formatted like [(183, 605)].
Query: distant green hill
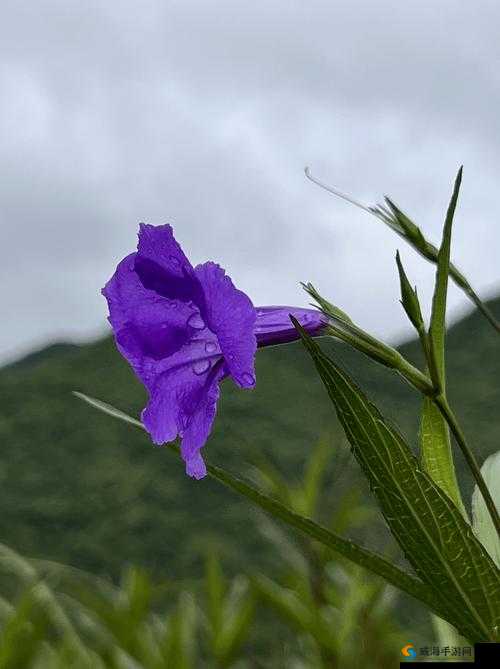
[(82, 488)]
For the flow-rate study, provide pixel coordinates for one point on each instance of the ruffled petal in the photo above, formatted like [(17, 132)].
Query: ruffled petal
[(157, 243), (230, 314), (196, 468), (183, 401), (200, 425), (147, 326), (273, 324), (162, 265)]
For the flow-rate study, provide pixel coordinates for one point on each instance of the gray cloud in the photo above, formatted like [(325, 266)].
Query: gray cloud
[(204, 114)]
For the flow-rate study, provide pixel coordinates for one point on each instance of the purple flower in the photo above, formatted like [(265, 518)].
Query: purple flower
[(183, 329)]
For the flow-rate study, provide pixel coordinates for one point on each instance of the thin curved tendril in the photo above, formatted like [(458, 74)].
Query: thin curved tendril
[(336, 192)]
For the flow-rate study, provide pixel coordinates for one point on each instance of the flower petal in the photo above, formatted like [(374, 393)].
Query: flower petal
[(162, 265), (196, 468), (230, 314), (200, 425), (273, 324), (183, 401), (146, 325)]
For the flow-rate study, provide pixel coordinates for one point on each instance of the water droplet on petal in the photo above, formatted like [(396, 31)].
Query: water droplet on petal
[(196, 321), (248, 379), (201, 366), (210, 347)]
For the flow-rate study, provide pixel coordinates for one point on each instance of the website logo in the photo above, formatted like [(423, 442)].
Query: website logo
[(409, 651)]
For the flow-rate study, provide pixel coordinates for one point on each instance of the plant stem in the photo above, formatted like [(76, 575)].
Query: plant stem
[(447, 413)]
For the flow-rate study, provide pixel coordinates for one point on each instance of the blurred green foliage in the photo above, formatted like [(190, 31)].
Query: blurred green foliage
[(331, 613)]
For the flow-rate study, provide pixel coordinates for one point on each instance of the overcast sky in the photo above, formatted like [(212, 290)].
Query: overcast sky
[(203, 114)]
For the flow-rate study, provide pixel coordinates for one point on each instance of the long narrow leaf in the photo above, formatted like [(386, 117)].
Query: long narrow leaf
[(438, 325), (436, 454), (435, 443)]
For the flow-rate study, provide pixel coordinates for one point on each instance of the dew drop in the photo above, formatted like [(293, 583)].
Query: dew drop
[(196, 321), (210, 347), (248, 379), (201, 366)]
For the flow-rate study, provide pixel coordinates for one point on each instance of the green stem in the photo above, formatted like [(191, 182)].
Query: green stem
[(462, 283), (450, 418)]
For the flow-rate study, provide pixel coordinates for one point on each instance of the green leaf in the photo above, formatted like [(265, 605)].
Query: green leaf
[(107, 408), (409, 298), (438, 318), (286, 546), (348, 549), (23, 632), (436, 454), (483, 526), (429, 528), (342, 327), (46, 598), (325, 306), (179, 642), (239, 613), (269, 478), (435, 443), (214, 583), (313, 477), (447, 635), (295, 611), (405, 225)]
